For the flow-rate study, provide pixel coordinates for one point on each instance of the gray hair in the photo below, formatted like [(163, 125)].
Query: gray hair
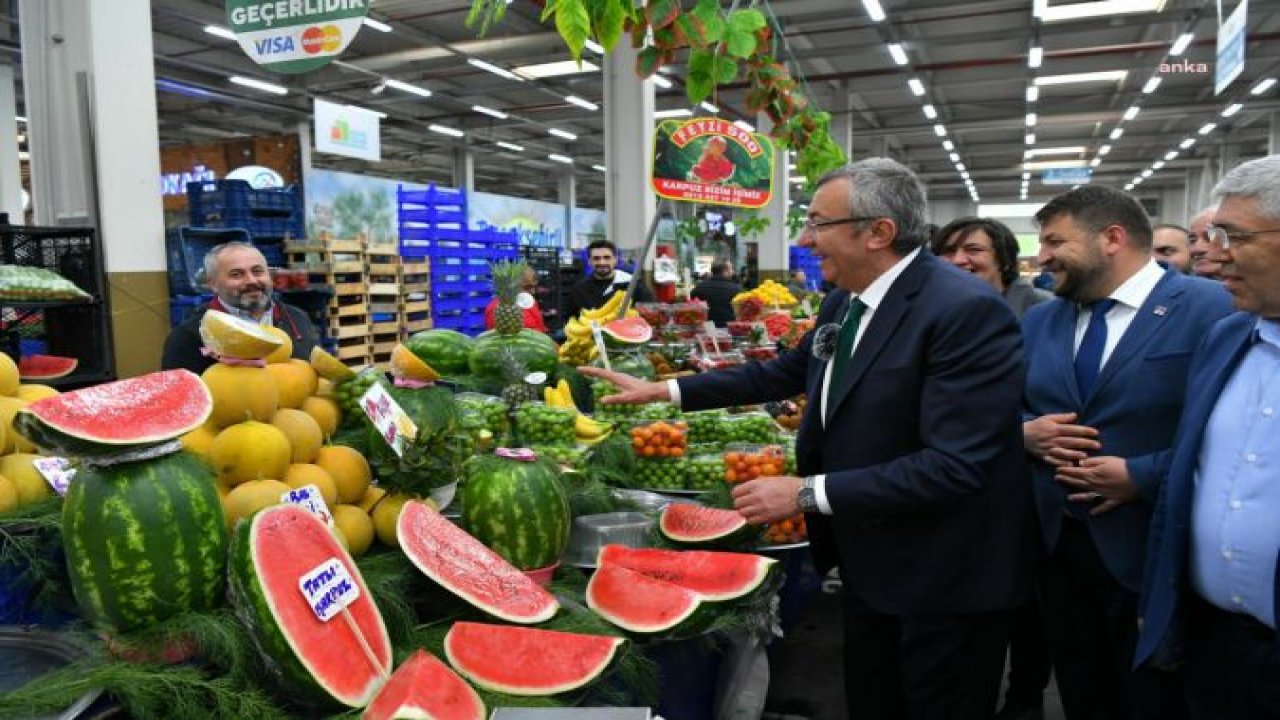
[(211, 258), (882, 187), (1259, 179)]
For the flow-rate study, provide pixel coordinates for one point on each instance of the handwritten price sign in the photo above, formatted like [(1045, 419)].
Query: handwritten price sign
[(328, 589), (309, 497), (392, 422)]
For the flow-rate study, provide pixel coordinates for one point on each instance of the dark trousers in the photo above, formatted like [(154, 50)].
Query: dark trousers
[(1092, 625), (1232, 667), (1029, 663), (935, 667)]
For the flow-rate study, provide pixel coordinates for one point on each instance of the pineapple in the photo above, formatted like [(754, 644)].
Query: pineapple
[(508, 319), (516, 392)]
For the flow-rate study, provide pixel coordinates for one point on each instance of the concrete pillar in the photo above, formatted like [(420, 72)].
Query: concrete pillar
[(841, 129), (1273, 137), (628, 150), (464, 169), (10, 169), (569, 199), (88, 73), (772, 256), (1191, 191)]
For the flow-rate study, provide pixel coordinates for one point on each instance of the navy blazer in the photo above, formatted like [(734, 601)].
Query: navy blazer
[(1166, 569), (1134, 405), (923, 451)]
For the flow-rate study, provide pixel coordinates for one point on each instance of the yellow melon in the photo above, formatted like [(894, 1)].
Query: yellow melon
[(371, 498), (296, 380), (406, 365), (8, 375), (8, 495), (328, 366), (30, 484), (385, 514), (241, 393), (305, 436), (198, 441), (250, 451), (250, 497), (349, 470), (229, 336), (324, 388), (32, 392), (13, 442), (356, 527), (285, 351), (325, 412), (300, 474)]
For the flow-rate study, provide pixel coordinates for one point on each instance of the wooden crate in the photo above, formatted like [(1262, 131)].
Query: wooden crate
[(344, 327), (354, 352)]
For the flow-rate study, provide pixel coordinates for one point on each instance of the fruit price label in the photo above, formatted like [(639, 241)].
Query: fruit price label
[(56, 471), (310, 499), (392, 422), (329, 589)]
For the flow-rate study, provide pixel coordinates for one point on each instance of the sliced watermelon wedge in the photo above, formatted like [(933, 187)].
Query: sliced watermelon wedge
[(628, 331), (45, 367), (527, 661), (639, 603), (715, 576), (694, 524), (462, 565), (424, 687)]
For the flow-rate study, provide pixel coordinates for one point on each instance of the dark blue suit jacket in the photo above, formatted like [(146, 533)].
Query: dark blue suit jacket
[(1135, 403), (923, 452), (1166, 576)]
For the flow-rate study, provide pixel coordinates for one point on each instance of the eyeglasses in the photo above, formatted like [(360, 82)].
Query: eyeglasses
[(813, 226), (1223, 239)]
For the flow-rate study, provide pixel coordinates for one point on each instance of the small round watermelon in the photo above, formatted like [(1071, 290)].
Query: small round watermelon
[(517, 508), (535, 349), (447, 351)]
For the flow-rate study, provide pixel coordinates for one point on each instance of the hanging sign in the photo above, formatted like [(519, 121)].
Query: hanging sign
[(295, 36), (712, 161), (347, 130), (1231, 40)]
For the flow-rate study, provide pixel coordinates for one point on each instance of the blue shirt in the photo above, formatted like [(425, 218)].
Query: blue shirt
[(1235, 535)]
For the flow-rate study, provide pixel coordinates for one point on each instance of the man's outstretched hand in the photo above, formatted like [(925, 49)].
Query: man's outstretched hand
[(633, 390)]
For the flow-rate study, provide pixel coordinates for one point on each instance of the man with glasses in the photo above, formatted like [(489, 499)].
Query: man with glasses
[(1210, 595), (1106, 375), (913, 477)]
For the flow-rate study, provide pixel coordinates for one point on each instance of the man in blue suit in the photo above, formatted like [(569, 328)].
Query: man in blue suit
[(1210, 598), (1106, 370), (912, 448)]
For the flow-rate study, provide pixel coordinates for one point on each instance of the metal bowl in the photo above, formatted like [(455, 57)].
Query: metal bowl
[(592, 532)]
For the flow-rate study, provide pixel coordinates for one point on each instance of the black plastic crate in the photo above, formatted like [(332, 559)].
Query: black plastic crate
[(186, 247)]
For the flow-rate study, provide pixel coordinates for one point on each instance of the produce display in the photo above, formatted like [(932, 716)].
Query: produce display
[(750, 428), (715, 576), (707, 426), (514, 660), (689, 313), (704, 471), (660, 439), (691, 524), (661, 473), (516, 505), (542, 424), (424, 687), (25, 283), (748, 462), (491, 410), (638, 603), (45, 367), (769, 293), (448, 351)]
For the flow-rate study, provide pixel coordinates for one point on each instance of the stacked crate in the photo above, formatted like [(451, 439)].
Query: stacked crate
[(382, 268), (340, 265), (272, 217), (415, 299)]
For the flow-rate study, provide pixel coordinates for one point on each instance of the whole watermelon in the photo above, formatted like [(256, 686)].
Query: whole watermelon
[(536, 350), (144, 540), (633, 363), (446, 351), (519, 509)]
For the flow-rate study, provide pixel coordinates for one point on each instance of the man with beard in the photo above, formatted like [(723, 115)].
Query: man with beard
[(1171, 245), (595, 289), (1107, 364), (1202, 264), (241, 283)]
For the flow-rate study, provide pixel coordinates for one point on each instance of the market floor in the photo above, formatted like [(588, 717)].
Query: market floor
[(804, 667)]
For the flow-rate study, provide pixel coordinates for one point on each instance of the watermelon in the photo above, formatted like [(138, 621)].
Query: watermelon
[(631, 363), (340, 662), (45, 367), (639, 603), (123, 415), (445, 553), (517, 508), (527, 661), (448, 351), (425, 688), (627, 331), (715, 576), (144, 540), (691, 524), (536, 350)]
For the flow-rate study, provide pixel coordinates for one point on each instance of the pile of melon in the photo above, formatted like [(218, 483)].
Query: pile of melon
[(20, 484)]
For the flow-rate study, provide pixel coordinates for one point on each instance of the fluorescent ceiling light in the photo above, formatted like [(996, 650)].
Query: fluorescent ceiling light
[(917, 87), (1104, 149), (1009, 210), (1033, 94), (1095, 162), (960, 167), (930, 112), (406, 87), (563, 134), (661, 81), (1157, 165), (593, 46), (1231, 109), (1102, 76), (1099, 8), (1051, 164), (1115, 134), (451, 132), (940, 130), (1207, 128), (1073, 150), (24, 155), (601, 168), (1031, 119), (510, 146), (490, 112), (582, 103), (874, 11), (376, 25), (20, 118), (220, 31), (1171, 155), (556, 69), (1031, 138), (1138, 181), (1026, 176), (1187, 143), (709, 107), (379, 113), (1151, 85), (1147, 173), (1263, 86), (1131, 113), (490, 67), (1035, 56), (899, 55), (948, 145), (678, 112), (744, 125), (964, 174), (1128, 187), (1180, 45), (955, 157), (560, 158), (259, 85)]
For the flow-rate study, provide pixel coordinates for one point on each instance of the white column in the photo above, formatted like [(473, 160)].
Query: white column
[(772, 254), (841, 128), (10, 170), (1273, 138), (464, 169), (630, 204), (569, 199)]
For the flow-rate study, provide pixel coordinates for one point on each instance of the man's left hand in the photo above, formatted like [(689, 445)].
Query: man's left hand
[(768, 499), (1105, 478)]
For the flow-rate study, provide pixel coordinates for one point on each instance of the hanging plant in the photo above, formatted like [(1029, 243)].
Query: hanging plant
[(722, 46)]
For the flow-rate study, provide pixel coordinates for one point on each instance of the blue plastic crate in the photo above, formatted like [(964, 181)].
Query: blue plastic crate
[(432, 196), (33, 347), (237, 197), (181, 307), (185, 249), (433, 215), (447, 305)]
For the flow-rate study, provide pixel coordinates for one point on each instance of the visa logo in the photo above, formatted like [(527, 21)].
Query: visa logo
[(274, 45)]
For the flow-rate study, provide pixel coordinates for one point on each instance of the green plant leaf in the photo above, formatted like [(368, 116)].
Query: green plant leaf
[(700, 76), (726, 70), (647, 62), (692, 29), (547, 10), (609, 23), (746, 21), (662, 13), (486, 13), (756, 99), (738, 43), (666, 38), (708, 12), (573, 24)]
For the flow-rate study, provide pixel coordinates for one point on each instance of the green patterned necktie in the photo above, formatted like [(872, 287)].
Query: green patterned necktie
[(844, 342)]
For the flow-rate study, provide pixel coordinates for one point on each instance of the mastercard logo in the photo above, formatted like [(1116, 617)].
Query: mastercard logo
[(316, 39)]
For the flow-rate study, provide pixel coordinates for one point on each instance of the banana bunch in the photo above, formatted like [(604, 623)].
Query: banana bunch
[(588, 431), (579, 347)]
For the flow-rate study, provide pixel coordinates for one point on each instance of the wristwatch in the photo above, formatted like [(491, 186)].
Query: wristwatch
[(807, 497)]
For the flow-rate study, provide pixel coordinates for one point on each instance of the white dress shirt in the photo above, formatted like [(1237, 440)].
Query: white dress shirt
[(1129, 297)]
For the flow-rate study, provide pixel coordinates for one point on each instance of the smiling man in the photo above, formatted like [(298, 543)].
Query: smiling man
[(595, 289)]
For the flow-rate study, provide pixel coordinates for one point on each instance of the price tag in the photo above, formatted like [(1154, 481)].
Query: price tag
[(328, 589), (535, 378), (56, 471), (309, 497), (600, 347), (392, 422), (524, 301)]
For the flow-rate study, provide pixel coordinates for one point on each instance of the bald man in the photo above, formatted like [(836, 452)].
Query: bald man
[(1171, 244), (1202, 263)]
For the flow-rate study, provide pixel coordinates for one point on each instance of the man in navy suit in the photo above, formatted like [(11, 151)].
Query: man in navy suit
[(1210, 595), (1106, 372), (911, 448)]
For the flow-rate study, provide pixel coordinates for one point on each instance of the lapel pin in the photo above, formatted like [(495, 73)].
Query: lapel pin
[(1160, 310)]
